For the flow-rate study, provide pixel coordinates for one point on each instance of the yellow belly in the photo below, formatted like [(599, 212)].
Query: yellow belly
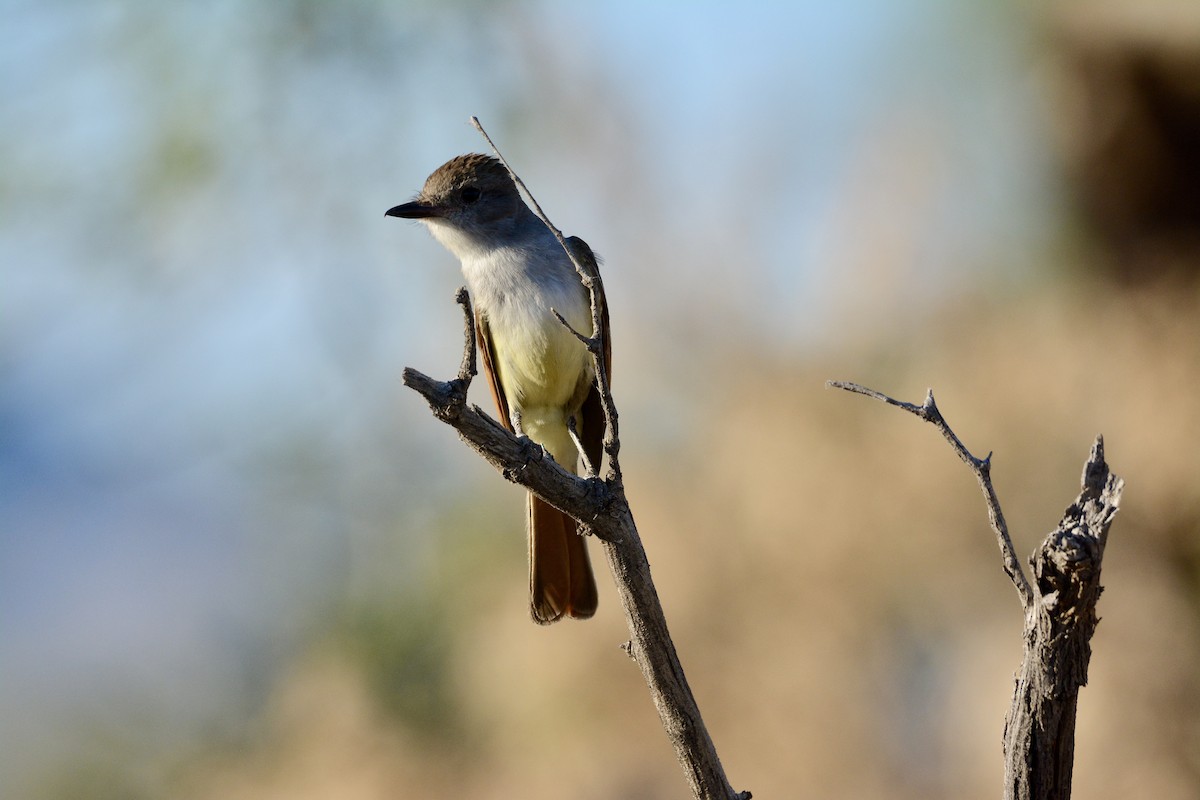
[(545, 373)]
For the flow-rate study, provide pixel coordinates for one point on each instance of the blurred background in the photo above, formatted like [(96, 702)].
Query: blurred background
[(239, 560)]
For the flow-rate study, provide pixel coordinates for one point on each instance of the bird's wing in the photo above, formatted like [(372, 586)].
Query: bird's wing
[(483, 336), (592, 411)]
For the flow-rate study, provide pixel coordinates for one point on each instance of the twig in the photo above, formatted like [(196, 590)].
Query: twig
[(584, 263), (982, 467), (467, 370), (586, 340), (589, 469)]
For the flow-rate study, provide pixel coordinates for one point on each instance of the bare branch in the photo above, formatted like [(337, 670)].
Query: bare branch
[(518, 458), (1039, 730), (601, 506), (466, 370), (1060, 616), (982, 467), (606, 513)]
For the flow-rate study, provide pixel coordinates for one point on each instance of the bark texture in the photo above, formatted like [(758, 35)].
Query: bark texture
[(602, 509), (1060, 613), (1039, 732)]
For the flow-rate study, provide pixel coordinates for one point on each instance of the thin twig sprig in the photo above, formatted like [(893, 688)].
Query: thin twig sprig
[(589, 274), (466, 370), (982, 467), (451, 395)]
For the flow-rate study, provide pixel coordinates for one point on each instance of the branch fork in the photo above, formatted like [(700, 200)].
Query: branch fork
[(1060, 614)]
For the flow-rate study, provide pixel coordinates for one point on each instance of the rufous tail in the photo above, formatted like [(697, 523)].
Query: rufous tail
[(560, 574)]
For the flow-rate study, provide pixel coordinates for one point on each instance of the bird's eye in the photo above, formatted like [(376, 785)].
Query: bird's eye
[(470, 194)]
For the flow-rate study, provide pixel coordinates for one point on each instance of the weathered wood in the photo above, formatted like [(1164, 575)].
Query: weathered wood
[(601, 507), (1060, 614), (1039, 732)]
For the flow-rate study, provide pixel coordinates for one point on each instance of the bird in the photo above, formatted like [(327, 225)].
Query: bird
[(541, 375)]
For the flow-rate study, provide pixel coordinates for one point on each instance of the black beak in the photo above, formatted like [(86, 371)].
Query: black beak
[(416, 210)]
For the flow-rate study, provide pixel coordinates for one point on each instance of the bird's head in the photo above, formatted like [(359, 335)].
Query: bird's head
[(469, 203)]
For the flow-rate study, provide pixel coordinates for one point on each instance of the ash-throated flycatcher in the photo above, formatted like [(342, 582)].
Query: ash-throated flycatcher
[(541, 375)]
